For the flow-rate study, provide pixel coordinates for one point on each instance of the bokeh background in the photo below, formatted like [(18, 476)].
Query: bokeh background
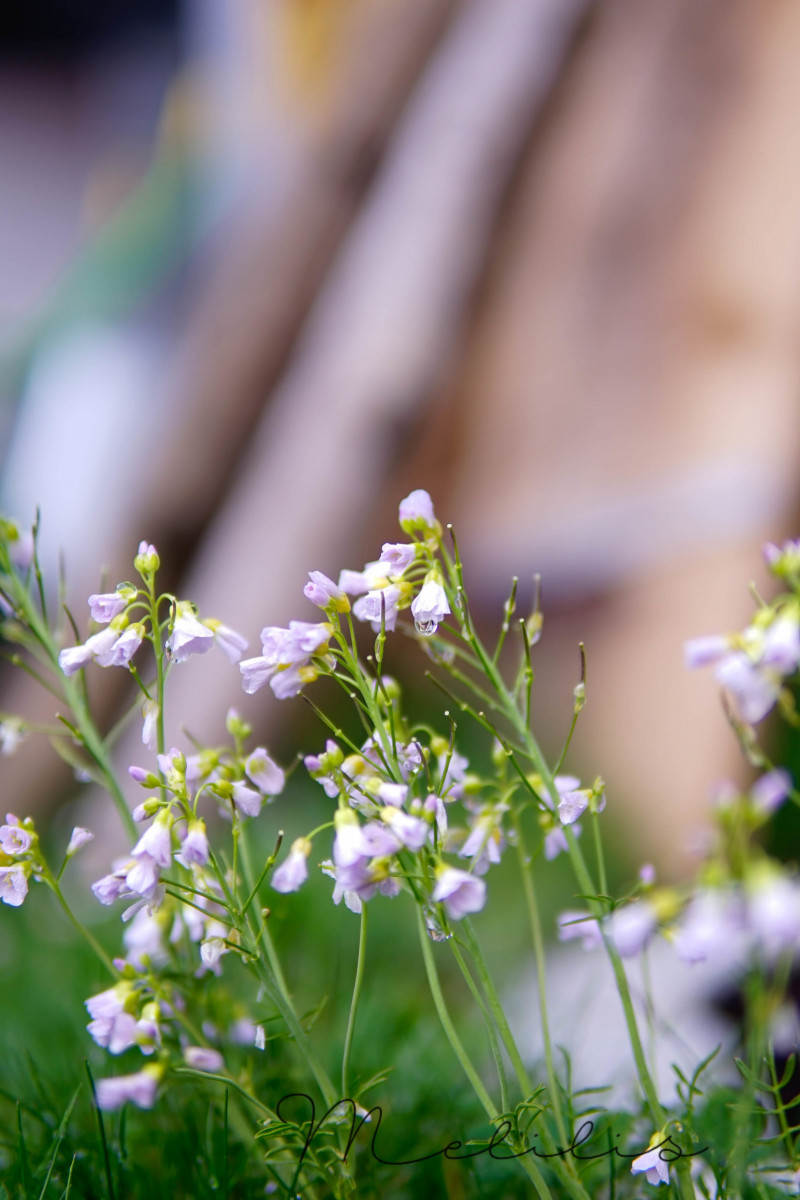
[(268, 265)]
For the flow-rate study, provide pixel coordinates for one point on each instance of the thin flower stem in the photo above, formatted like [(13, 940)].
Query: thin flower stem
[(529, 1167), (351, 1020), (82, 930), (538, 952), (490, 1027)]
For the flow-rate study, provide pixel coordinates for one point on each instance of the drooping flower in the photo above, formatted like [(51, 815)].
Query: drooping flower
[(382, 604), (189, 635), (203, 1058), (156, 842), (460, 892), (247, 801), (289, 660), (140, 1089), (231, 643), (769, 792), (293, 871), (431, 606), (654, 1167), (194, 848), (398, 556)]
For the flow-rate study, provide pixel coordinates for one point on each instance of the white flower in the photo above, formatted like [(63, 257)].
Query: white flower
[(460, 892), (430, 607), (571, 806)]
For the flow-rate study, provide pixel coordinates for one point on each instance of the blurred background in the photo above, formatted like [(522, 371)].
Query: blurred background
[(268, 265)]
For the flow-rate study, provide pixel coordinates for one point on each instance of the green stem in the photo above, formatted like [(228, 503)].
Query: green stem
[(529, 1167), (82, 930), (351, 1020)]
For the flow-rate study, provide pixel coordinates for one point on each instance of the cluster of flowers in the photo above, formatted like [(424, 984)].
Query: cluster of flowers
[(297, 655), (743, 906), (127, 613), (20, 856), (753, 665)]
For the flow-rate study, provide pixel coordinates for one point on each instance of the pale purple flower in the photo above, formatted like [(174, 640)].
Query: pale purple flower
[(142, 878), (773, 913), (781, 648), (555, 841), (246, 800), (126, 646), (393, 793), (398, 555), (203, 1058), (231, 643), (430, 606), (14, 839), (73, 658), (107, 605), (110, 887), (753, 690), (381, 604), (460, 892), (576, 924), (705, 651), (655, 1168), (287, 682), (13, 884), (255, 673), (632, 927), (264, 773), (647, 874), (711, 925), (189, 635), (143, 940), (211, 951), (413, 832), (293, 871), (416, 512), (80, 837), (770, 791), (115, 1034), (194, 848), (140, 1089), (323, 592), (355, 583), (21, 548), (150, 713), (156, 842), (103, 646)]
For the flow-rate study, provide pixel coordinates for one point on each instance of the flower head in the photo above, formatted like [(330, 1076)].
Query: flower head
[(416, 513), (293, 871), (431, 606), (140, 1089), (460, 892), (14, 884), (189, 635)]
